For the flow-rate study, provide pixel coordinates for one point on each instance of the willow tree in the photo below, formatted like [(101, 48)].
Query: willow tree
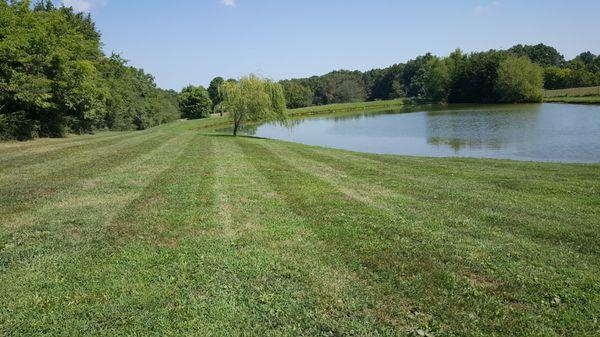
[(253, 99)]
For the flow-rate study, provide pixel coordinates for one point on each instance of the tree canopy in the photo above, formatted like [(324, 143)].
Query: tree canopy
[(519, 80), (540, 54), (194, 102), (296, 94), (54, 77)]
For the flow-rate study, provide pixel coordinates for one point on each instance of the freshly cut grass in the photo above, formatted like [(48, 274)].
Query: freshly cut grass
[(173, 231)]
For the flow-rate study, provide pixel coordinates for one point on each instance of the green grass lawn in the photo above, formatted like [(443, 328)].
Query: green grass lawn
[(574, 99), (173, 231)]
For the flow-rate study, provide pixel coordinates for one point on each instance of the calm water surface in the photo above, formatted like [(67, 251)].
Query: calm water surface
[(537, 132)]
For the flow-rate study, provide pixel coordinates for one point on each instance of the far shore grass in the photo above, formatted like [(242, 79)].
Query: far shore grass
[(574, 99), (349, 107)]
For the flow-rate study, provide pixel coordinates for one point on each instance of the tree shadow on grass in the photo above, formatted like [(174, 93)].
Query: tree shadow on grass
[(232, 136)]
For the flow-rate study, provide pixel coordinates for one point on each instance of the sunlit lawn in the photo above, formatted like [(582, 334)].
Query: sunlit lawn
[(174, 231)]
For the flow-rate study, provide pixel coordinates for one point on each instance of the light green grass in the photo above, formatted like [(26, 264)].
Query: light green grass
[(574, 99), (172, 231)]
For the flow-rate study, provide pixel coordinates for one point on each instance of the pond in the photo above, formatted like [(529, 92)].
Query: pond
[(533, 132)]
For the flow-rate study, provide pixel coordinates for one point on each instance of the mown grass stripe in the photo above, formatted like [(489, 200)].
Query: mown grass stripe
[(474, 194), (18, 146), (15, 199), (25, 159), (433, 266), (86, 208)]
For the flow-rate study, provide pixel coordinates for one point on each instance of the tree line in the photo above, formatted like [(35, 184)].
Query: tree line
[(55, 79), (518, 74)]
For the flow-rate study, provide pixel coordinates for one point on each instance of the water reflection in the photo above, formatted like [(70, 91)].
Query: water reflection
[(458, 144), (490, 127), (541, 132)]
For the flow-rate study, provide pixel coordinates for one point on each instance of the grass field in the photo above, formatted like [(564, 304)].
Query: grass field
[(574, 99), (173, 231)]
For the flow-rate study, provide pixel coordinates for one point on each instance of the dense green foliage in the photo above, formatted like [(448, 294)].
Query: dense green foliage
[(253, 99), (296, 94), (195, 102), (541, 54), (458, 78), (433, 80), (55, 79), (519, 80), (582, 71), (175, 232)]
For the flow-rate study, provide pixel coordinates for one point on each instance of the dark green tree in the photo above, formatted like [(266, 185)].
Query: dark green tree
[(541, 54), (474, 78), (591, 61), (213, 90)]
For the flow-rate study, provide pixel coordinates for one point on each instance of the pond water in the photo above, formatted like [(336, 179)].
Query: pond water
[(536, 132)]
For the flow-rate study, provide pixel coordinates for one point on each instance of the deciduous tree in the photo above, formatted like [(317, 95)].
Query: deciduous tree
[(519, 80), (253, 99), (194, 102)]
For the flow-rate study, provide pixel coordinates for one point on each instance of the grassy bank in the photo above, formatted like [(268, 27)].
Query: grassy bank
[(574, 99), (171, 231)]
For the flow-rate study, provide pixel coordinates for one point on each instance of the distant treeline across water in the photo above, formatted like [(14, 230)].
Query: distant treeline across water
[(518, 74)]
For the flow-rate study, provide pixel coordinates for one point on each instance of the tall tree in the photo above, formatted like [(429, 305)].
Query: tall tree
[(213, 90)]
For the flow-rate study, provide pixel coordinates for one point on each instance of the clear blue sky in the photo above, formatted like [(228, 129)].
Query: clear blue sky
[(191, 41)]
